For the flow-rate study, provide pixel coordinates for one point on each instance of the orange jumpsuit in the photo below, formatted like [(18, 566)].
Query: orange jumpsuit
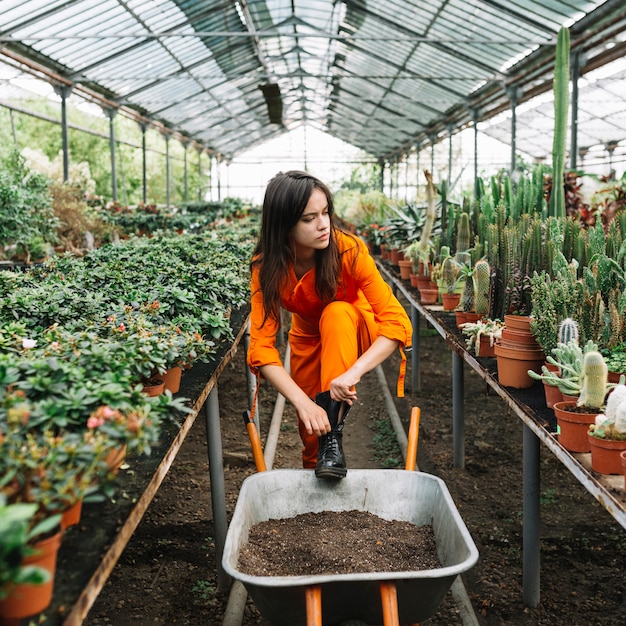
[(326, 340)]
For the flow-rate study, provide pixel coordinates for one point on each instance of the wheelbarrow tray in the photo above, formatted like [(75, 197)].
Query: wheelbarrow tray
[(415, 497)]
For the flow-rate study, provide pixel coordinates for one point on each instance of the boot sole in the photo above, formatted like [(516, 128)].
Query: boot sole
[(331, 472)]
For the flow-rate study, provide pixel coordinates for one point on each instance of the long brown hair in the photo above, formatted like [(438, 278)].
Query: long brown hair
[(286, 197)]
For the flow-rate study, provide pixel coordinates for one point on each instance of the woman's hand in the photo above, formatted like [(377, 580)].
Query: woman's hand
[(313, 417), (343, 388)]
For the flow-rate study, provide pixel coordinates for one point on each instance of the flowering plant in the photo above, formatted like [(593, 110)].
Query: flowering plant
[(52, 469), (18, 530)]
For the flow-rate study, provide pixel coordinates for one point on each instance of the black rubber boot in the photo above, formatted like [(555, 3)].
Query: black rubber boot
[(331, 463)]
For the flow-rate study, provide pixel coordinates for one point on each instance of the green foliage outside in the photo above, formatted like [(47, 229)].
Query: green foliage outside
[(34, 135)]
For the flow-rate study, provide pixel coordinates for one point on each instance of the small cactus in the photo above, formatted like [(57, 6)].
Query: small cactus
[(467, 298), (482, 281), (450, 273), (568, 331), (463, 236), (594, 382)]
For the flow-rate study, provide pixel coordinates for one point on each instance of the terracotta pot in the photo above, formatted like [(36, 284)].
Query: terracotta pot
[(394, 255), (573, 426), (460, 317), (384, 252), (605, 455), (485, 348), (115, 458), (472, 317), (71, 515), (622, 458), (429, 296), (518, 322), (153, 386), (423, 282), (450, 301), (553, 394), (614, 377), (516, 338), (413, 279), (568, 398), (513, 366), (172, 377), (26, 600), (406, 268)]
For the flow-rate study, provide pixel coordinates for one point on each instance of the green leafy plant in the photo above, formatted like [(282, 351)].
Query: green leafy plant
[(18, 532)]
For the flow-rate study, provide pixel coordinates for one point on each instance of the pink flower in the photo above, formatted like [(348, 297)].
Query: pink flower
[(94, 422)]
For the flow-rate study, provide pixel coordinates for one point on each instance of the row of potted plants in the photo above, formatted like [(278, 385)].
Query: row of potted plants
[(80, 338)]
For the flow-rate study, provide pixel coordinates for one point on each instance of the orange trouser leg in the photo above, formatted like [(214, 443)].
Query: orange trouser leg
[(343, 337)]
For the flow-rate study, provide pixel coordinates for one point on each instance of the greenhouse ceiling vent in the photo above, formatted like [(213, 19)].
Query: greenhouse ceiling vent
[(274, 102)]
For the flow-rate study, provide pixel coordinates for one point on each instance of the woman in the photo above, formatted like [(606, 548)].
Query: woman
[(345, 320)]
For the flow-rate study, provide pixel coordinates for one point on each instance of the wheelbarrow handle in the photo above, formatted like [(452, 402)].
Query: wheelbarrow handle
[(411, 449), (255, 442)]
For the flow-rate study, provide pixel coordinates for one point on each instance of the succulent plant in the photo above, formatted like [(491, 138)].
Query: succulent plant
[(568, 331), (594, 380), (482, 283)]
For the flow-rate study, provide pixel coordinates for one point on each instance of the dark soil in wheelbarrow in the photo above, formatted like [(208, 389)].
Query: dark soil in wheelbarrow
[(167, 573)]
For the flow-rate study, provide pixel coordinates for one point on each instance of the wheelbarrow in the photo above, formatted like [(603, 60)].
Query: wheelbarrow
[(389, 598)]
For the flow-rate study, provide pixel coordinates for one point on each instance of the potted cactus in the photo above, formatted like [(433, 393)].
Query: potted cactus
[(575, 416), (607, 435)]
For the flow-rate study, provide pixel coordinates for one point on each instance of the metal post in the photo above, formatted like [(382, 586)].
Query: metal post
[(111, 113), (167, 170), (475, 153), (185, 172), (450, 129), (144, 172), (218, 489), (381, 182), (531, 520), (458, 411), (512, 94), (200, 174), (432, 138), (416, 381), (251, 381), (418, 147), (63, 91)]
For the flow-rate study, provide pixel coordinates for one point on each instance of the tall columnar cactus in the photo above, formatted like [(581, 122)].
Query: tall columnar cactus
[(463, 236), (595, 378), (568, 330), (561, 103), (482, 282)]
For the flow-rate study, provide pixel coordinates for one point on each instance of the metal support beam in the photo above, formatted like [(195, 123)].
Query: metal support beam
[(63, 91), (475, 113), (416, 380), (185, 173), (450, 130), (458, 411), (168, 176), (418, 149), (144, 172), (511, 92), (218, 489), (531, 520), (111, 113), (200, 174)]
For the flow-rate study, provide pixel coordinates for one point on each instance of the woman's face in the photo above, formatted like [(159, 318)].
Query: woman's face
[(312, 231)]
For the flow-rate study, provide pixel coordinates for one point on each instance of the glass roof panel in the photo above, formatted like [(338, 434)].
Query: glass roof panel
[(379, 74)]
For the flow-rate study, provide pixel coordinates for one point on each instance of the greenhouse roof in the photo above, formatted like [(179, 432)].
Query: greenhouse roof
[(382, 76)]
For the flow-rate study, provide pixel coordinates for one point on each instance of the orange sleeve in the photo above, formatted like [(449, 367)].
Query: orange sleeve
[(391, 317), (262, 350)]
